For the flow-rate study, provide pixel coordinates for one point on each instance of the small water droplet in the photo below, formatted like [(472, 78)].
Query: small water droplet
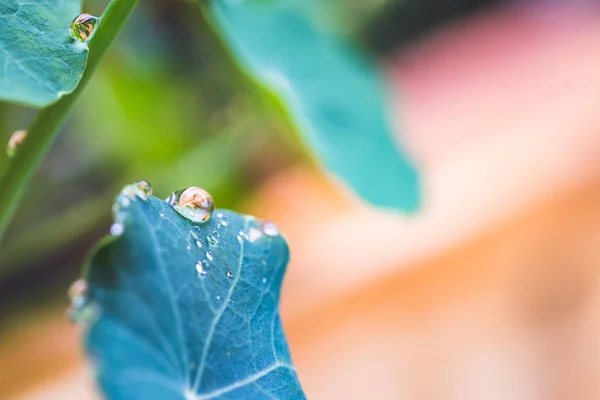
[(171, 200), (229, 274), (216, 234), (254, 234), (15, 141), (189, 247), (199, 244), (161, 213), (117, 229), (224, 223), (218, 297), (269, 229), (212, 241), (79, 304), (82, 28), (220, 215), (78, 290), (124, 201), (200, 269), (144, 189), (263, 261), (264, 280), (209, 255), (193, 203)]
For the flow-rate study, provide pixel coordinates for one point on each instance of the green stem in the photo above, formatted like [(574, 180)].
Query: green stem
[(46, 125)]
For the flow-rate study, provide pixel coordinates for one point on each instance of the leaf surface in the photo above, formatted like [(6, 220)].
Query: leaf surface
[(164, 331), (39, 61), (334, 94)]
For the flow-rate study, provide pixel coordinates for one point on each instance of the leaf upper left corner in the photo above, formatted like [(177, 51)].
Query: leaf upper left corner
[(39, 61), (186, 310)]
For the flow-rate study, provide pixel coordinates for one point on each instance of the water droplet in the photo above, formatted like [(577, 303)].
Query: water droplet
[(224, 223), (200, 269), (171, 200), (193, 203), (189, 247), (218, 297), (82, 27), (117, 229), (80, 310), (15, 141), (78, 290), (161, 213), (212, 241), (124, 201), (209, 255), (216, 234), (199, 244), (264, 280), (220, 215), (254, 234), (269, 228), (229, 274), (144, 189)]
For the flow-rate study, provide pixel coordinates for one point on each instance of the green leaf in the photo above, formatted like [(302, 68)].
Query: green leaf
[(163, 331), (39, 60), (333, 92)]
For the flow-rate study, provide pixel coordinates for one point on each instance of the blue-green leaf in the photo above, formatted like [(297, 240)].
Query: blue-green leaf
[(333, 92), (163, 331), (39, 61)]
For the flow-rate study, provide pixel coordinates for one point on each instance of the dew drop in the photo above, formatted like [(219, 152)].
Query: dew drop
[(171, 200), (193, 203), (200, 269), (117, 229), (143, 189), (15, 141), (77, 292), (229, 274), (224, 223), (269, 229), (254, 234), (209, 255), (264, 280), (161, 213), (124, 201), (82, 28), (78, 310), (212, 240), (199, 244)]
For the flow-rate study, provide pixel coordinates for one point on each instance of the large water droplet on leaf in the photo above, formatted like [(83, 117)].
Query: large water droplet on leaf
[(16, 140), (82, 27), (193, 203)]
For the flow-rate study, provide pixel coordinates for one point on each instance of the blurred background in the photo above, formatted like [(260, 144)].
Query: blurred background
[(490, 291)]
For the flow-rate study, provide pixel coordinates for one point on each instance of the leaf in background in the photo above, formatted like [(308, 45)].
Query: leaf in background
[(334, 94), (167, 329), (39, 60)]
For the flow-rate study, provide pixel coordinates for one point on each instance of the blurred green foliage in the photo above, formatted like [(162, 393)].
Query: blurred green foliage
[(167, 105)]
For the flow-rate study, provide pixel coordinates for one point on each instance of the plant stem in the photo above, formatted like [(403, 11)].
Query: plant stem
[(47, 123)]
